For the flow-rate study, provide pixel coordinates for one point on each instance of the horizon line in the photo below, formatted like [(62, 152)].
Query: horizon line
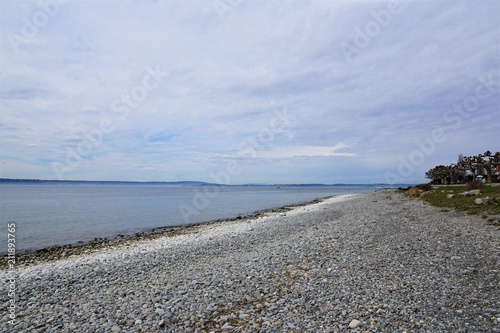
[(182, 181)]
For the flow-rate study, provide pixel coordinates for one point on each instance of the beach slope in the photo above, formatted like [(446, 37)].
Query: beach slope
[(375, 262)]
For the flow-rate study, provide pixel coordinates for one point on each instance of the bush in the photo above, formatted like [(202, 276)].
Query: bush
[(412, 192), (475, 185), (424, 187)]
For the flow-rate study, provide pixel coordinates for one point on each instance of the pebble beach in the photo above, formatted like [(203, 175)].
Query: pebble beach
[(375, 262)]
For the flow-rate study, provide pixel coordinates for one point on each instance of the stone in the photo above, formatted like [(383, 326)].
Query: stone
[(449, 196), (116, 329), (492, 201), (138, 322), (354, 323), (227, 326), (475, 192), (478, 201)]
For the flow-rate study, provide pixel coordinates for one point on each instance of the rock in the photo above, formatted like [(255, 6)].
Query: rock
[(492, 201), (354, 323), (138, 321), (449, 196), (478, 201), (116, 329), (227, 326), (475, 192)]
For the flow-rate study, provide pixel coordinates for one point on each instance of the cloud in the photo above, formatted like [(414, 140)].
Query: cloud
[(228, 77), (300, 151)]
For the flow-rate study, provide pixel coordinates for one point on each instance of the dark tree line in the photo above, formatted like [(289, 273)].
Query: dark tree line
[(467, 169)]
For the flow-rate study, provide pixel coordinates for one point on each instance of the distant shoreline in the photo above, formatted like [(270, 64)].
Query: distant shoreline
[(187, 183)]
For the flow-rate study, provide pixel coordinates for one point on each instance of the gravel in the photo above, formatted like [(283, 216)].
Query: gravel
[(358, 263)]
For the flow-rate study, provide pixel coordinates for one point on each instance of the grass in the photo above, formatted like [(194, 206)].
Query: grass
[(439, 197)]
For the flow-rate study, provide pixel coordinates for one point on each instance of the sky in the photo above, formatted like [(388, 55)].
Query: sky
[(246, 91)]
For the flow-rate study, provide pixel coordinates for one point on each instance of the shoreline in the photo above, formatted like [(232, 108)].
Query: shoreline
[(51, 253), (376, 262)]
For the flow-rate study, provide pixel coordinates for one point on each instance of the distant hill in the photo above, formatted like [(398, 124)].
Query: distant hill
[(183, 183), (104, 182)]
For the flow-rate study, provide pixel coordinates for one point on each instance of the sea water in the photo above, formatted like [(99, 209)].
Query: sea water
[(65, 213)]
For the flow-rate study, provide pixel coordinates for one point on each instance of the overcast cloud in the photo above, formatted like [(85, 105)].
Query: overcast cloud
[(262, 91)]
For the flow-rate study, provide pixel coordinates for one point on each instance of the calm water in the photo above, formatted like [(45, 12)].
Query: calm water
[(48, 215)]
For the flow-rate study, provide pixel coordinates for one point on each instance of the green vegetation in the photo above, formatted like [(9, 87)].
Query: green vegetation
[(440, 196), (474, 197)]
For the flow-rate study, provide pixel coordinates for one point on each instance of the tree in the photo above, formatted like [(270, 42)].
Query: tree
[(476, 165), (491, 163), (437, 174), (468, 164), (452, 172)]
